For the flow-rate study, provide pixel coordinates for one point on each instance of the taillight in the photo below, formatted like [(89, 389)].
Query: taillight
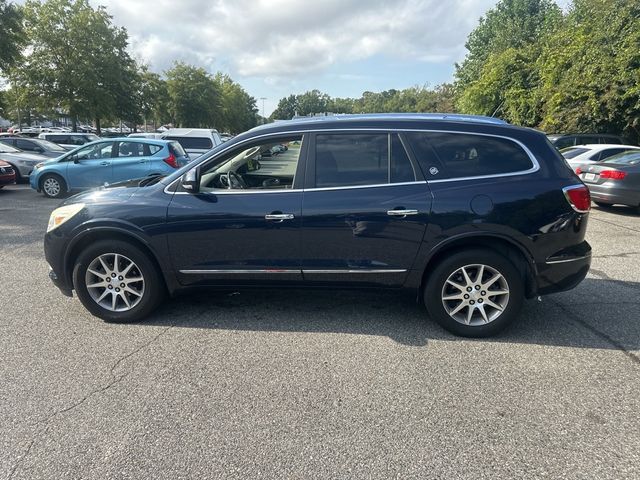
[(171, 160), (578, 197), (578, 171), (613, 174)]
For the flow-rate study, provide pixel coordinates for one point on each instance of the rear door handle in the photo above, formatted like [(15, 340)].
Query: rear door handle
[(401, 213), (279, 216)]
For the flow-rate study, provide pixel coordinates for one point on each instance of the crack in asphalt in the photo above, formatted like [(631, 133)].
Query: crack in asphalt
[(617, 255), (114, 380), (604, 336), (614, 224)]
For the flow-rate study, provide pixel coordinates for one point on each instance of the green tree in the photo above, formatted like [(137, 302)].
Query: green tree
[(590, 69), (194, 96), (154, 98), (287, 108), (11, 34), (78, 59), (238, 107), (511, 24)]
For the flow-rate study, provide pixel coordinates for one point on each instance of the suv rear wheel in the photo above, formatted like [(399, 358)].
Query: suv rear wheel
[(474, 293), (117, 281)]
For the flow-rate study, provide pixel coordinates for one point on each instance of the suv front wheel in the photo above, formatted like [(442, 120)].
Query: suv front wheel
[(117, 281), (474, 293)]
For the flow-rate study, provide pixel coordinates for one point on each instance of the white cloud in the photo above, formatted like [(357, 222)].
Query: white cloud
[(294, 38)]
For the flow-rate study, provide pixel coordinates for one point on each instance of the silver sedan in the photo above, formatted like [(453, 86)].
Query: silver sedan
[(23, 163)]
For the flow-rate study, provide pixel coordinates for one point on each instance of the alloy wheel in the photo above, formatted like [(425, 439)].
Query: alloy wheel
[(115, 282), (475, 294)]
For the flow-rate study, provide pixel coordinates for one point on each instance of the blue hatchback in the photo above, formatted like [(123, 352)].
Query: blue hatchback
[(107, 161)]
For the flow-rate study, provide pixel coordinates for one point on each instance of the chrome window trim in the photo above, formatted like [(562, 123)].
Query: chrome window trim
[(532, 158)]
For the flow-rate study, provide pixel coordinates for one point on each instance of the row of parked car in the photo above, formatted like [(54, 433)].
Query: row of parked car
[(57, 163)]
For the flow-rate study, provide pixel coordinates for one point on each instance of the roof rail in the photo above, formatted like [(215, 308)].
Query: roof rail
[(455, 117)]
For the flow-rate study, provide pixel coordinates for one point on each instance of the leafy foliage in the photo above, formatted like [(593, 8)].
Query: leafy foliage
[(414, 99), (575, 72), (11, 34)]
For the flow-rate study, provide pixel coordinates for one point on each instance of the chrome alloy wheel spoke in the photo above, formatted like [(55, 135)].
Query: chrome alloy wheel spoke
[(475, 294), (115, 282)]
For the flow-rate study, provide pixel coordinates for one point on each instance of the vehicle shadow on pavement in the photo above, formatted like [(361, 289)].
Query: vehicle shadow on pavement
[(597, 314)]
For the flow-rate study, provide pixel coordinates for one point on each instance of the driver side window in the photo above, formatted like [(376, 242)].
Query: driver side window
[(267, 165)]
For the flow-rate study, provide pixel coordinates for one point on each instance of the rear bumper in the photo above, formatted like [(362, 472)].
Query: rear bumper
[(563, 274), (616, 194)]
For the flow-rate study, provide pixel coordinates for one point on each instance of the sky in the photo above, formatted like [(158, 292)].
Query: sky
[(274, 48)]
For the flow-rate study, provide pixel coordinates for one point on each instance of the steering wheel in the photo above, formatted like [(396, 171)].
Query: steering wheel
[(233, 180)]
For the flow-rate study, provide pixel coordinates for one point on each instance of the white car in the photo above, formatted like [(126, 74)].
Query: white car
[(69, 140), (595, 152), (195, 141)]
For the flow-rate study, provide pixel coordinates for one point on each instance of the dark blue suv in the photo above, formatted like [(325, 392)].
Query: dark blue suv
[(470, 213)]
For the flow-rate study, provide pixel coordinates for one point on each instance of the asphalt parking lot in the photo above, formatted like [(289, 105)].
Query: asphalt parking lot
[(282, 384)]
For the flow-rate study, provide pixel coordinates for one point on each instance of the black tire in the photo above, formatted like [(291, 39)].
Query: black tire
[(603, 204), (437, 278), (154, 287), (51, 193)]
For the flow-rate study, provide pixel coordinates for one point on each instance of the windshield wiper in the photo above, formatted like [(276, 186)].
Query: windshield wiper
[(151, 180)]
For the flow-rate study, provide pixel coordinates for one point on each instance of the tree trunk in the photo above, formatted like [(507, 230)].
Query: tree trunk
[(74, 124), (98, 131)]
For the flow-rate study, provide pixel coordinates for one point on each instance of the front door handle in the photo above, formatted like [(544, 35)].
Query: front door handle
[(279, 217), (401, 213), (105, 164)]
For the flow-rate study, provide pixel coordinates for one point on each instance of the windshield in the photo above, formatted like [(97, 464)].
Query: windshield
[(47, 145), (626, 158), (572, 152), (4, 148)]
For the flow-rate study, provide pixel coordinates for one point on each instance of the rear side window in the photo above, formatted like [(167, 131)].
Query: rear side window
[(58, 138), (131, 149), (564, 142), (361, 159), (153, 149), (197, 143), (572, 152), (458, 155)]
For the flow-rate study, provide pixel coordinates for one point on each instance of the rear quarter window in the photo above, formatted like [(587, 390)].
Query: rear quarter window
[(459, 155)]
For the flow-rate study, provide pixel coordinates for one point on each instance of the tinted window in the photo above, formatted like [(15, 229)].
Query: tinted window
[(401, 169), (610, 152), (346, 159), (564, 142), (456, 155), (631, 157), (58, 138), (573, 152), (197, 143), (26, 145), (355, 159)]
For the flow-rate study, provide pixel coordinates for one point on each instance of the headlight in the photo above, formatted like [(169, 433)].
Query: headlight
[(62, 214), (39, 165)]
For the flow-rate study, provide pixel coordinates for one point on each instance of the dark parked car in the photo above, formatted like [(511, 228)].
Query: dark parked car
[(615, 180), (7, 174), (35, 145), (561, 141), (471, 214)]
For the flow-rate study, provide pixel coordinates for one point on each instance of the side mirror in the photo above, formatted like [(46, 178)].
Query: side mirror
[(191, 181), (75, 159)]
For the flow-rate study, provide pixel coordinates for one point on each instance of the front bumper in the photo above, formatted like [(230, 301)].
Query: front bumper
[(64, 289)]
